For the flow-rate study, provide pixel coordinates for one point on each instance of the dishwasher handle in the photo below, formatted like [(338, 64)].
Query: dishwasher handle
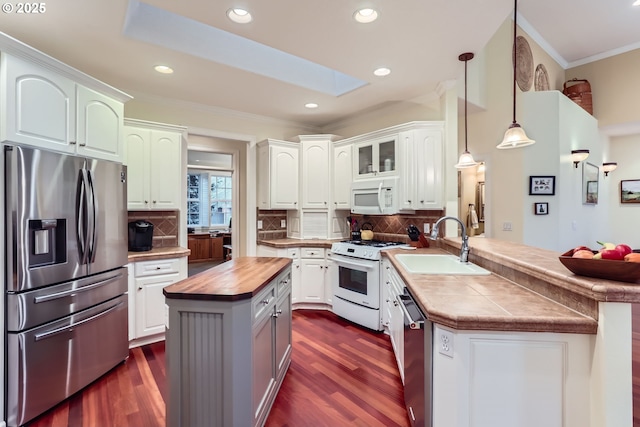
[(413, 323)]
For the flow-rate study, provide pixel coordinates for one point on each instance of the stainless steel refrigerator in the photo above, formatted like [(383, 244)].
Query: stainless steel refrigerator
[(66, 280)]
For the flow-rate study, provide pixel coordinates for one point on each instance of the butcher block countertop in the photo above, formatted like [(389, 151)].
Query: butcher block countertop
[(237, 279), (159, 253), (528, 290)]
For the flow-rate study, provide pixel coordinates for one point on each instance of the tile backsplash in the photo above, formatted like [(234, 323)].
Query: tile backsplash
[(271, 228), (394, 227), (165, 226)]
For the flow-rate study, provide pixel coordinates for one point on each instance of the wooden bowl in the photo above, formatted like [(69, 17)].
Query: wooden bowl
[(622, 271)]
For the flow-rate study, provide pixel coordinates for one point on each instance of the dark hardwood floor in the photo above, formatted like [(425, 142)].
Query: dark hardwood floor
[(340, 375)]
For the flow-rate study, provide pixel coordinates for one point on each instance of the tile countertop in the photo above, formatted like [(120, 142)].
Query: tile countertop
[(159, 253), (298, 243), (499, 303)]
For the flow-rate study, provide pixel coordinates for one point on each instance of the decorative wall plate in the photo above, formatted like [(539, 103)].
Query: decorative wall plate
[(542, 78), (524, 64)]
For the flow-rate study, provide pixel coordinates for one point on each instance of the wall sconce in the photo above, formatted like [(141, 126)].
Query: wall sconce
[(578, 156), (609, 167)]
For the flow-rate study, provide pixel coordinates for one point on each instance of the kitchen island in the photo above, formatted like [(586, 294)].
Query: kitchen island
[(532, 341), (228, 342)]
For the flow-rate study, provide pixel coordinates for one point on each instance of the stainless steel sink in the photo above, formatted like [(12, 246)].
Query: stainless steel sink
[(439, 264)]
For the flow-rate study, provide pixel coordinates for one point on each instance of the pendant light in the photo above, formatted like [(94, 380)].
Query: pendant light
[(515, 137), (466, 159)]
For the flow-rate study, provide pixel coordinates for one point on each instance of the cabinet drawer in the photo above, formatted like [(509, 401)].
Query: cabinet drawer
[(312, 253), (264, 301), (161, 266), (284, 284), (293, 253)]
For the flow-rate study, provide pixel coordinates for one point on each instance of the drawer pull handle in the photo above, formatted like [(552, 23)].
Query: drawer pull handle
[(266, 301)]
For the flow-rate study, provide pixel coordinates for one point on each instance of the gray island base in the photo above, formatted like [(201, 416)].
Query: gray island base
[(228, 341)]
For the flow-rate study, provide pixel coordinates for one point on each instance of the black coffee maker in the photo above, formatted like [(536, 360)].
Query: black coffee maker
[(140, 235)]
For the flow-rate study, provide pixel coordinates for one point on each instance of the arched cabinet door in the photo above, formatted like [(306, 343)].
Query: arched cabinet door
[(39, 106), (99, 125)]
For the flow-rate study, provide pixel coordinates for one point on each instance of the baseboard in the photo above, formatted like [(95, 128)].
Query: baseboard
[(144, 341)]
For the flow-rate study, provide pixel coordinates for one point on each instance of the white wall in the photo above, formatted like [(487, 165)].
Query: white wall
[(623, 218)]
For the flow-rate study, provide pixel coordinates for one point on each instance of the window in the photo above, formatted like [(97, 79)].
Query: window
[(209, 196)]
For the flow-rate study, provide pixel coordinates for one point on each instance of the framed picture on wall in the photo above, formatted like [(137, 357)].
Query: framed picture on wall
[(589, 183), (541, 208), (542, 185), (630, 191)]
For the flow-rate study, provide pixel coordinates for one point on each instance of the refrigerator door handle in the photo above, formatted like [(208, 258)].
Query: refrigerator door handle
[(74, 292), (69, 328), (82, 206), (93, 219)]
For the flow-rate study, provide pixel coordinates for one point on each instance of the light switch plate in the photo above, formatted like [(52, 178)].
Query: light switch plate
[(283, 223), (259, 225)]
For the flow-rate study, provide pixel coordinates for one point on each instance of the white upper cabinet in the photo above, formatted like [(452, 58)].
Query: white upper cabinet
[(342, 176), (39, 106), (154, 166), (99, 125), (421, 171), (278, 174), (375, 157), (315, 174), (44, 106)]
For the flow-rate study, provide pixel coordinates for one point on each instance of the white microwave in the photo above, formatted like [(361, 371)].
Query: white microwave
[(375, 196)]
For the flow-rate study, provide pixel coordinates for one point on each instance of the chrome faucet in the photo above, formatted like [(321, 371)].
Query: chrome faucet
[(464, 250)]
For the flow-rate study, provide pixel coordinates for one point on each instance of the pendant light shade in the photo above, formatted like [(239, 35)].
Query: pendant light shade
[(515, 136), (466, 159)]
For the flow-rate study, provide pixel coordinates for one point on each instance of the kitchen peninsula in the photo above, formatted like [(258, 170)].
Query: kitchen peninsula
[(228, 342), (532, 341)]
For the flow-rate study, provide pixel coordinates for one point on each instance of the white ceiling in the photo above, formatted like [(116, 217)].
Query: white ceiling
[(419, 40)]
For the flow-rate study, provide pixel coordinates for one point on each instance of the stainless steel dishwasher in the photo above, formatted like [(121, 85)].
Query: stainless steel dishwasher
[(418, 367)]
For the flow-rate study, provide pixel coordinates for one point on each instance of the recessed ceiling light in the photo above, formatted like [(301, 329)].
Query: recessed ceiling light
[(240, 16), (382, 71), (366, 15), (636, 3), (311, 105), (163, 69)]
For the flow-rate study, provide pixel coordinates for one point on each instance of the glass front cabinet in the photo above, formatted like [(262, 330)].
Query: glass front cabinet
[(377, 157)]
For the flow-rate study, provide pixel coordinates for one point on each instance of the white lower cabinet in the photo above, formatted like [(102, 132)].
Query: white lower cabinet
[(393, 317), (147, 311), (495, 378), (310, 275)]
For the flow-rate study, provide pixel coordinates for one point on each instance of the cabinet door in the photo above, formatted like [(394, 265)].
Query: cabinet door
[(137, 161), (342, 177), (283, 333), (430, 182), (150, 303), (38, 105), (99, 124), (408, 177), (328, 285), (315, 174), (165, 170), (263, 361), (200, 247), (284, 177), (312, 280), (216, 248), (296, 281)]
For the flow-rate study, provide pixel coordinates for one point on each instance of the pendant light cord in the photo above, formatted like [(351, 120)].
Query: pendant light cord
[(515, 59), (465, 105)]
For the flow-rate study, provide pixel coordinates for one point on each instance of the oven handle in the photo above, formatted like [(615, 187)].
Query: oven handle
[(345, 261), (413, 324)]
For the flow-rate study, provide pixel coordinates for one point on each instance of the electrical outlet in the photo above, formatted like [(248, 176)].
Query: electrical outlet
[(426, 228), (283, 223), (445, 342), (259, 225), (506, 226)]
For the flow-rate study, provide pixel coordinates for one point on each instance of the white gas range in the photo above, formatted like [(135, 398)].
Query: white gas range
[(356, 280)]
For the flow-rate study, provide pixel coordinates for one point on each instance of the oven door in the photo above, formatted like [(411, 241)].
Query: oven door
[(356, 280)]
